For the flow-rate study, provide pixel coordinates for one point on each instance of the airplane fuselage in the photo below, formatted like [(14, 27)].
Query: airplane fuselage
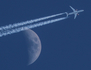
[(75, 12)]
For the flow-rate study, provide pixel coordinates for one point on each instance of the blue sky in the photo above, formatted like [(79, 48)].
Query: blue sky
[(66, 45)]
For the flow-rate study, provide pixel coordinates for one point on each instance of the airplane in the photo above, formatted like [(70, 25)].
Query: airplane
[(75, 12)]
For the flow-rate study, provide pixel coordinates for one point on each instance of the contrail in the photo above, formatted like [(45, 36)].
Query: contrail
[(10, 26), (15, 30)]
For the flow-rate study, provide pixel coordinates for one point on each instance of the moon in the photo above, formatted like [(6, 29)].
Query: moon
[(34, 45)]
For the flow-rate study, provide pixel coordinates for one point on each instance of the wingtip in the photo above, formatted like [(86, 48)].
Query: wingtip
[(74, 18), (69, 6)]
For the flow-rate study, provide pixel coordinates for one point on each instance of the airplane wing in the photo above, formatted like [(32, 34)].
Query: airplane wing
[(72, 8), (75, 15), (74, 11)]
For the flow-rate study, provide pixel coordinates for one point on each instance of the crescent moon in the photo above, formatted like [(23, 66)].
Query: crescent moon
[(34, 45)]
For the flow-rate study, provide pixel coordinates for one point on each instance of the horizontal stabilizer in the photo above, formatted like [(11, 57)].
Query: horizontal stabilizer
[(66, 14)]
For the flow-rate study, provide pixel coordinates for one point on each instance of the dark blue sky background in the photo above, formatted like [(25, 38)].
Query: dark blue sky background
[(66, 45)]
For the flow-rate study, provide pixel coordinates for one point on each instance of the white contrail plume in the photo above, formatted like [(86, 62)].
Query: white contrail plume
[(15, 30), (10, 26)]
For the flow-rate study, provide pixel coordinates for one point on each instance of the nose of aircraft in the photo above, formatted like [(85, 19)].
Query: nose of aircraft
[(81, 10)]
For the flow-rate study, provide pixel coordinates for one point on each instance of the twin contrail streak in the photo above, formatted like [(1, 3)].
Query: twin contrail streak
[(18, 29), (10, 26)]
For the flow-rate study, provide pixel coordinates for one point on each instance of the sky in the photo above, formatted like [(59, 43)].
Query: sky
[(66, 45)]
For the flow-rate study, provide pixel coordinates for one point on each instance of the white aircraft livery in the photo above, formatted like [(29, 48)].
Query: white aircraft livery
[(75, 12)]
